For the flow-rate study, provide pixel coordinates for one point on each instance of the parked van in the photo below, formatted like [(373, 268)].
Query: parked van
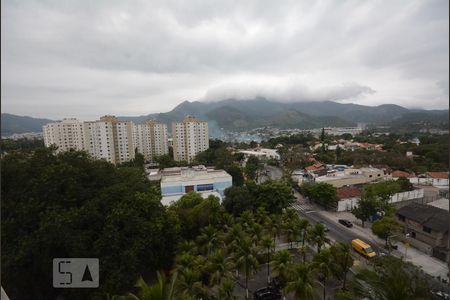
[(363, 248)]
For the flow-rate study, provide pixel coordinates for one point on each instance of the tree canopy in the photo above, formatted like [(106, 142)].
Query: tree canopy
[(67, 205)]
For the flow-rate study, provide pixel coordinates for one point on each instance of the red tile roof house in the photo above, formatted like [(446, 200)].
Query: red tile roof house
[(438, 178), (315, 167), (349, 197), (398, 174)]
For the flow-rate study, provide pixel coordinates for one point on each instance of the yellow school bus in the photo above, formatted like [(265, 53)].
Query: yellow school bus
[(363, 248)]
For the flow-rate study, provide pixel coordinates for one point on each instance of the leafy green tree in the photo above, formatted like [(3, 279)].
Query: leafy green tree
[(301, 282), (237, 200), (392, 279), (166, 161), (194, 213), (381, 191), (405, 184), (322, 193), (252, 167), (365, 209), (236, 173), (68, 205), (274, 196), (386, 227)]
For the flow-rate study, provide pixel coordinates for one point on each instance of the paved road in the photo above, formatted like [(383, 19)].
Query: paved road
[(337, 231)]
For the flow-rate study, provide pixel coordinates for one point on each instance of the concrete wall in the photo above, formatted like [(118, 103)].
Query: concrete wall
[(414, 194), (429, 181), (347, 204), (399, 199)]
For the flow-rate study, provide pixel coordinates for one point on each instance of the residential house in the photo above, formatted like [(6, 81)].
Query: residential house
[(427, 228)]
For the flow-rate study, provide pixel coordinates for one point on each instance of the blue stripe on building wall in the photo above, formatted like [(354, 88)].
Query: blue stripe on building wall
[(176, 189)]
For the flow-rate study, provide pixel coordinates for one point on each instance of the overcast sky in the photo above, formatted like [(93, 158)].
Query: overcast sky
[(90, 58)]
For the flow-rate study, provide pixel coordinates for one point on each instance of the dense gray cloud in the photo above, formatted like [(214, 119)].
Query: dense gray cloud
[(88, 58)]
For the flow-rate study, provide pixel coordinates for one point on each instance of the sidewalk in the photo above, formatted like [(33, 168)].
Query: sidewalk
[(428, 264)]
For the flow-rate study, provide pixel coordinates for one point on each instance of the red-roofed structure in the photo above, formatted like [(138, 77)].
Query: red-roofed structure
[(440, 175), (348, 192), (397, 174)]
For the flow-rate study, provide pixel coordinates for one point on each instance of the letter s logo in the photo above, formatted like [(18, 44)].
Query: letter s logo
[(62, 272)]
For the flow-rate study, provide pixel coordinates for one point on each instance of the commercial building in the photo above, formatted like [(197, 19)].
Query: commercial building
[(351, 177), (175, 182), (189, 138), (150, 139)]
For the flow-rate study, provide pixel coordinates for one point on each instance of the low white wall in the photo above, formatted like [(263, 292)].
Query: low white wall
[(349, 203), (414, 194), (429, 181)]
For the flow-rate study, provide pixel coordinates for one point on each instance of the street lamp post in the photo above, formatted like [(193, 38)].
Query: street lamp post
[(406, 245)]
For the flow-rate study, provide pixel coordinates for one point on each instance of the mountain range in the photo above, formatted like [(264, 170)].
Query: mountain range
[(239, 115)]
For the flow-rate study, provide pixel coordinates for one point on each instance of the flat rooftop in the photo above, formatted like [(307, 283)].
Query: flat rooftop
[(195, 173)]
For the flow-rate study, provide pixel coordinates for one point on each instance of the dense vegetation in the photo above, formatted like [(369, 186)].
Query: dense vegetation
[(68, 205)]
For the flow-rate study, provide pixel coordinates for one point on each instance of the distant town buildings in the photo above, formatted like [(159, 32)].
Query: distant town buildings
[(264, 153), (189, 138), (176, 182)]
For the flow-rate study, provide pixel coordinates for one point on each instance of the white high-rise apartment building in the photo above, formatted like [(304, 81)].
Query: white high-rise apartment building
[(189, 138), (150, 139), (107, 138), (66, 135)]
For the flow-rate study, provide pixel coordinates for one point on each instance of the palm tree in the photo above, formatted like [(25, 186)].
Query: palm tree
[(281, 262), (268, 246), (303, 225), (226, 290), (234, 234), (273, 225), (226, 220), (219, 266), (189, 285), (185, 260), (247, 219), (318, 237), (301, 281), (342, 257), (246, 258), (208, 238), (289, 231), (187, 246), (256, 231), (324, 264), (290, 214), (261, 215), (393, 279), (161, 290)]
